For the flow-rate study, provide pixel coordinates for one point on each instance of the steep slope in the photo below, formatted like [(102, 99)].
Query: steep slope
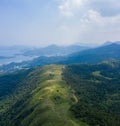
[(46, 105)]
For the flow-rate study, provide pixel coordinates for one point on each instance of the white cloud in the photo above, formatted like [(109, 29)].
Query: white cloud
[(106, 7), (83, 21), (93, 28), (94, 17), (98, 28), (68, 7)]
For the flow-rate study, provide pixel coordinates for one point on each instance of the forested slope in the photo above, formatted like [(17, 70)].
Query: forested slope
[(46, 103), (59, 95), (97, 88)]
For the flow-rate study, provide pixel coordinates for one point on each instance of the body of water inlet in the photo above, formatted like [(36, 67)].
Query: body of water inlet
[(17, 58)]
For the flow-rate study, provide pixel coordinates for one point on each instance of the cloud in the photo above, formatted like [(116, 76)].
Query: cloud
[(90, 20), (94, 19), (105, 7), (98, 28), (59, 21), (68, 7), (92, 27), (93, 16)]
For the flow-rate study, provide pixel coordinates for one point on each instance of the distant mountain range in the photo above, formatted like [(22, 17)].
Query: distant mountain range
[(105, 52), (51, 50), (23, 53), (94, 55), (109, 43), (54, 50), (9, 51)]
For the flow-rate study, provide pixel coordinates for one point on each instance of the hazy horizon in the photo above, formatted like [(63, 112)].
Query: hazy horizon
[(61, 22), (52, 44)]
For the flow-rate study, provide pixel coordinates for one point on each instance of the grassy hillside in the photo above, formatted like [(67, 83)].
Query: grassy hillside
[(58, 95), (46, 105)]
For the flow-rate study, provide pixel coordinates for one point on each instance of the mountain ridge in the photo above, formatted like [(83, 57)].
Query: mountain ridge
[(67, 95), (49, 101)]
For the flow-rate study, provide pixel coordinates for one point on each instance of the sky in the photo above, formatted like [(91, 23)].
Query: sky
[(61, 22)]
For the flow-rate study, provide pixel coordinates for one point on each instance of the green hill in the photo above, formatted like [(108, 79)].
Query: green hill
[(46, 105), (59, 95)]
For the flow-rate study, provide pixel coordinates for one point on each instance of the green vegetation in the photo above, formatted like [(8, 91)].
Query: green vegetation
[(11, 88), (58, 95), (98, 90), (46, 105)]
